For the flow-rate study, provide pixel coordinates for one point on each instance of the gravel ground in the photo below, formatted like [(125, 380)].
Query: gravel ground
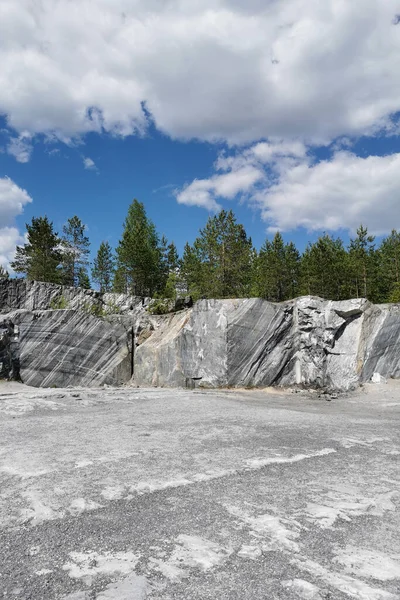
[(133, 494)]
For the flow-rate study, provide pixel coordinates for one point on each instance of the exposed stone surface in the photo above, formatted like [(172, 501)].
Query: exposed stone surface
[(70, 347), (34, 295), (174, 494), (52, 335), (382, 342), (251, 342), (239, 343)]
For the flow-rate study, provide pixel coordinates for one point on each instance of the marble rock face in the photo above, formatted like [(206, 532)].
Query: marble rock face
[(34, 295), (47, 346), (382, 342), (251, 342), (56, 336), (68, 347)]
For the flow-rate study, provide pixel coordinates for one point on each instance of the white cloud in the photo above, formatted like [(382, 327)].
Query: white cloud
[(292, 191), (241, 172), (53, 152), (204, 192), (21, 147), (89, 164), (235, 70), (12, 202), (10, 238), (341, 193)]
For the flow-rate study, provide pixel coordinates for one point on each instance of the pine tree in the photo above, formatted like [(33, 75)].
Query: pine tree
[(190, 271), (278, 270), (163, 263), (103, 267), (40, 258), (83, 279), (293, 269), (225, 254), (170, 287), (363, 262), (170, 280), (172, 257), (75, 251), (325, 269), (388, 256), (120, 281), (138, 253)]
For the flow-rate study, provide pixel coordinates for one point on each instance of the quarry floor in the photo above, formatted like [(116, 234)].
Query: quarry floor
[(129, 494)]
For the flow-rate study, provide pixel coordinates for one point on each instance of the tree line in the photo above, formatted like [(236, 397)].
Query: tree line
[(221, 263)]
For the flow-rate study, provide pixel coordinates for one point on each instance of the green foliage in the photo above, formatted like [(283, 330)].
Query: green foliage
[(219, 265), (325, 269), (59, 303), (388, 259), (394, 295), (278, 270), (191, 271), (75, 249), (139, 254), (112, 308), (172, 257), (103, 267), (160, 306), (94, 309), (40, 258), (362, 264), (83, 279), (170, 287), (120, 281)]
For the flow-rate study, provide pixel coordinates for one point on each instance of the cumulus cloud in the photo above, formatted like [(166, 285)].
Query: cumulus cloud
[(13, 199), (240, 173), (204, 192), (233, 70), (292, 190), (10, 238), (340, 193)]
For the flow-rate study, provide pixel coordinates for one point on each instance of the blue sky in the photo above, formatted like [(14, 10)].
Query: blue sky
[(190, 107)]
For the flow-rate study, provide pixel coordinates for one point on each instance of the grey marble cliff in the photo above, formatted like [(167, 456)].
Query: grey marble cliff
[(34, 295), (251, 342), (57, 336), (54, 336)]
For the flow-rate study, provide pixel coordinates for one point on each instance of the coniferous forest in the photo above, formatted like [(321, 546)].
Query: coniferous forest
[(221, 263)]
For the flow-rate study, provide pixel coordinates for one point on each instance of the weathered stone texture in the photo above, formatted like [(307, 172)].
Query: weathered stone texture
[(382, 344), (251, 342), (34, 295), (240, 343), (68, 347)]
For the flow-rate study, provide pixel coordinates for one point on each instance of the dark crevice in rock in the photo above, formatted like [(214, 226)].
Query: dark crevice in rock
[(340, 331)]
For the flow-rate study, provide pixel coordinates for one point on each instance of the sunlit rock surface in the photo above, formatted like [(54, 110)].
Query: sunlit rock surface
[(57, 336), (53, 336), (251, 342), (68, 347), (35, 295)]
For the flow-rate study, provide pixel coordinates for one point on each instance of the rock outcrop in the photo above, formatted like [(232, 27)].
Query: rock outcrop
[(53, 335), (68, 347), (251, 342), (57, 336), (34, 295)]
